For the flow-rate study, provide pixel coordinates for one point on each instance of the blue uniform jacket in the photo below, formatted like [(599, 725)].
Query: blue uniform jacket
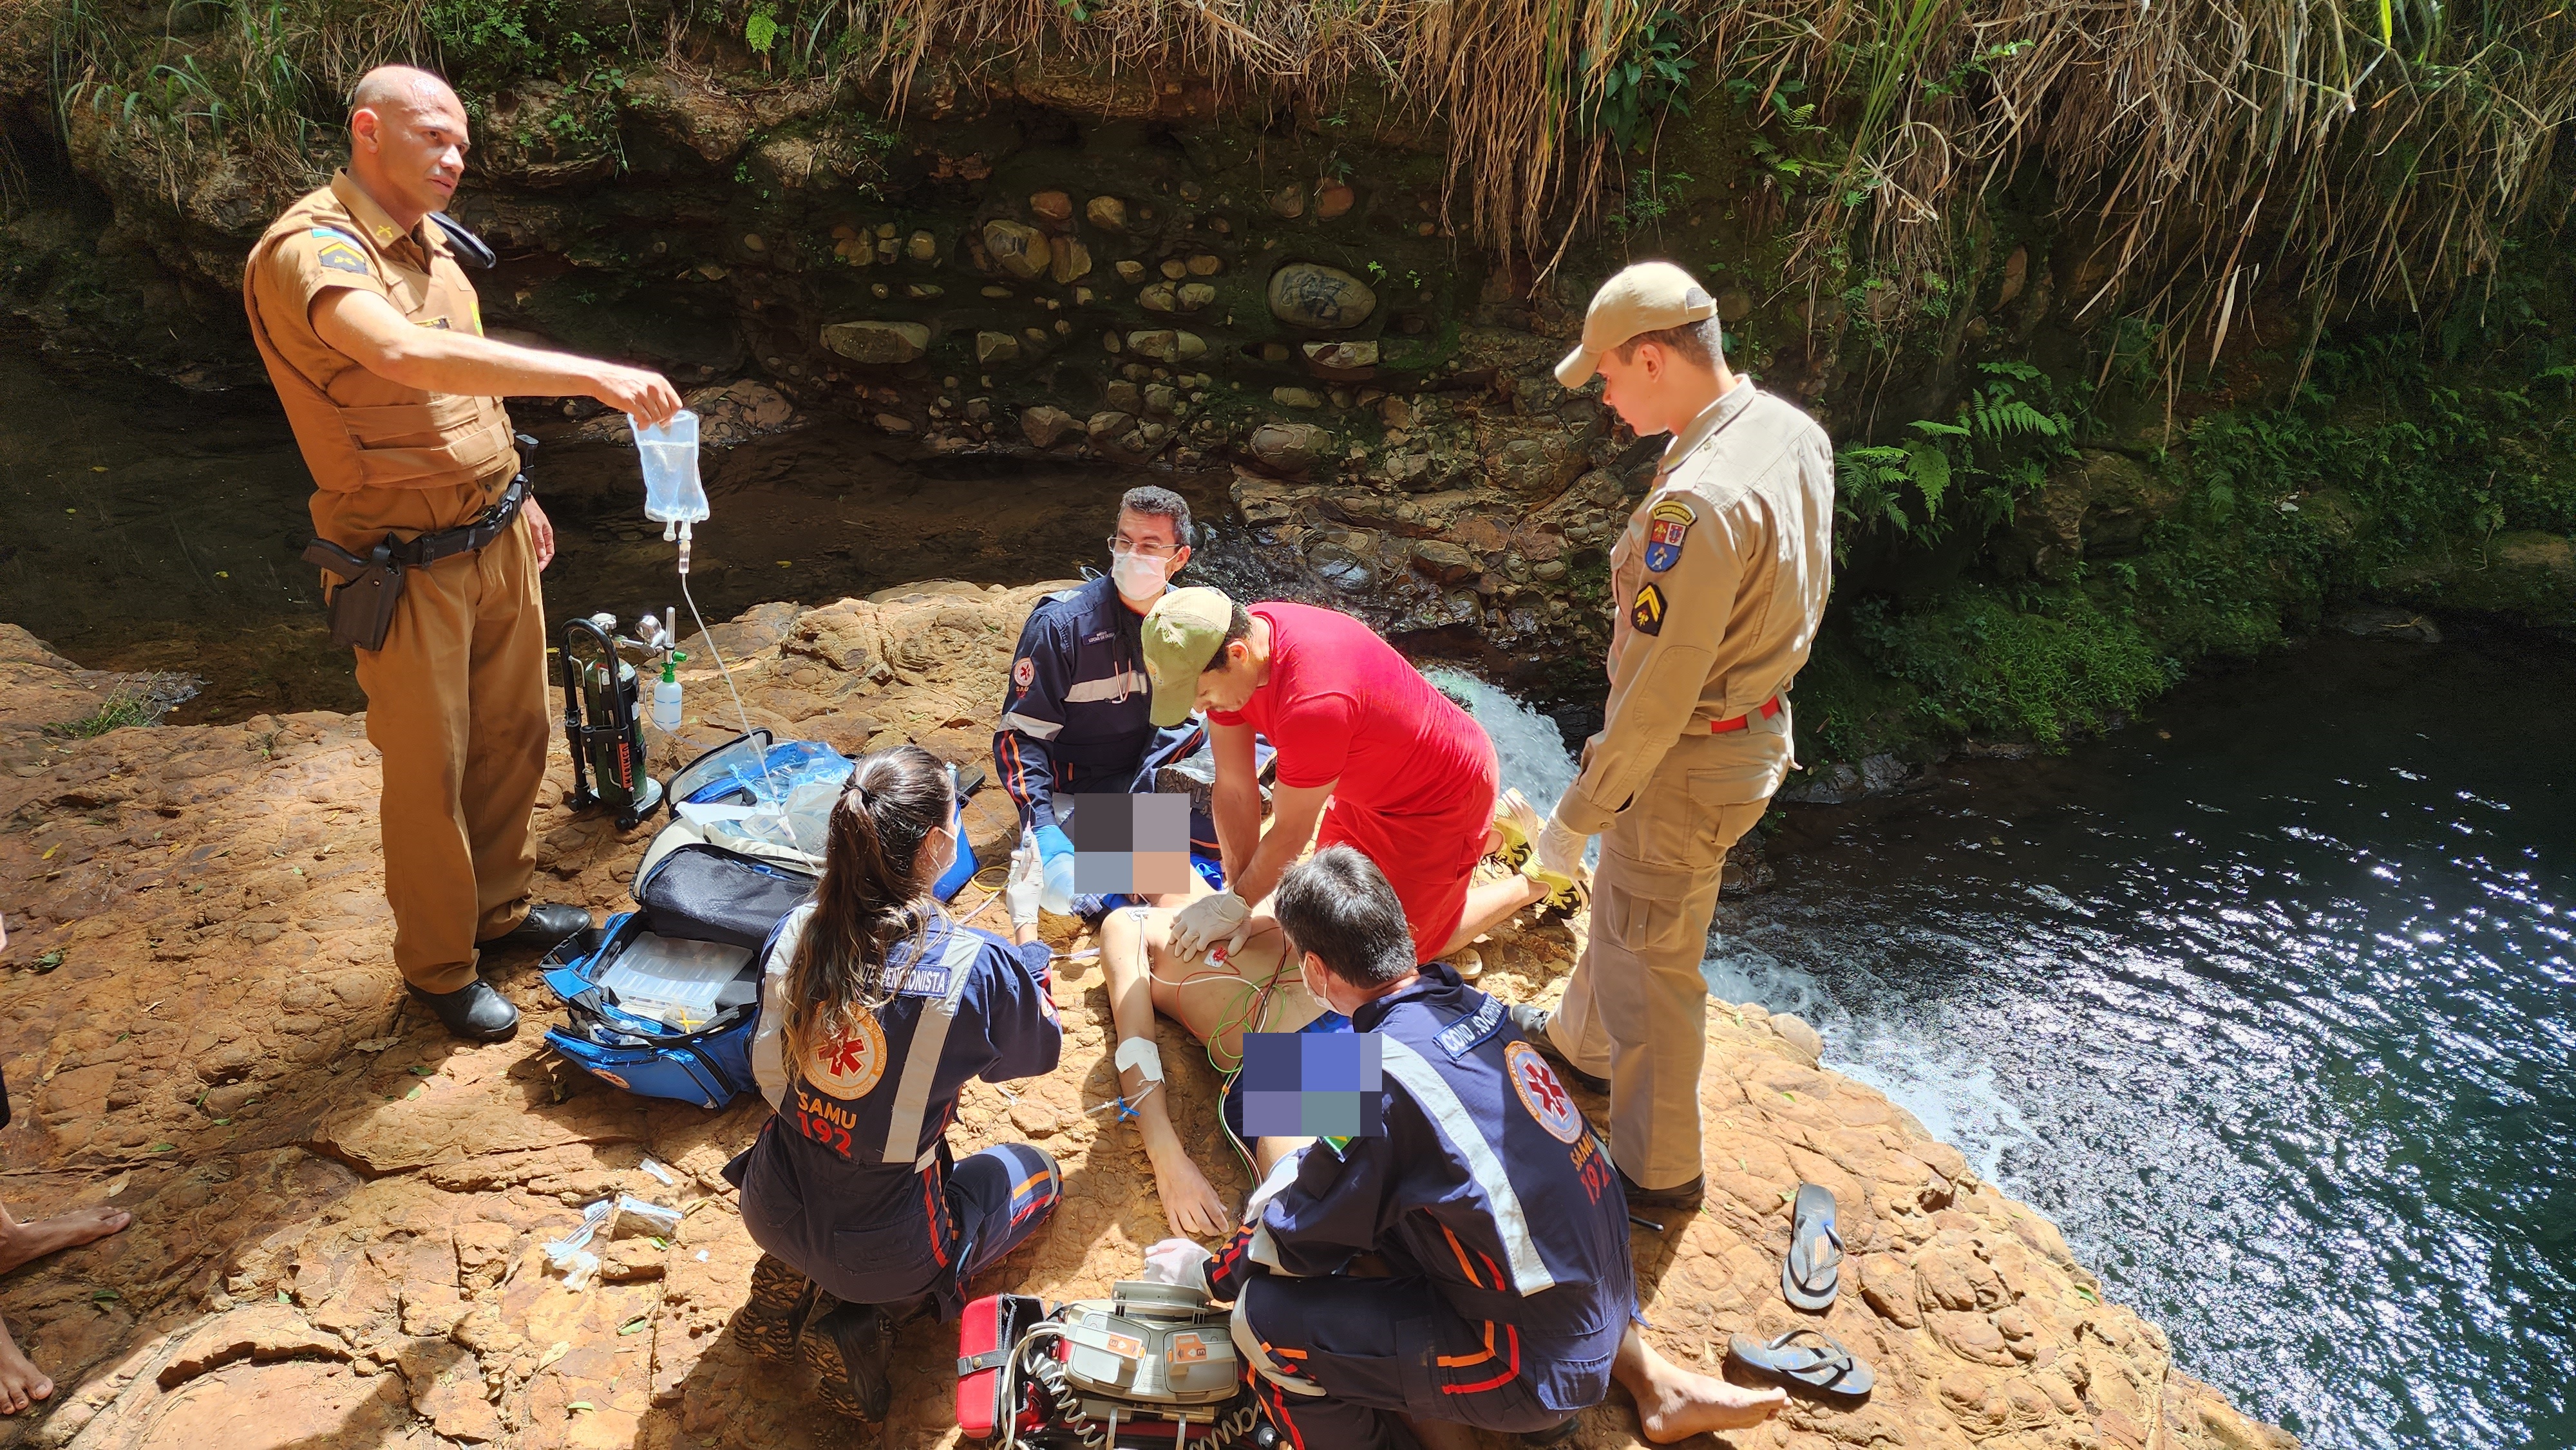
[(1076, 714), (1488, 1182), (848, 1180)]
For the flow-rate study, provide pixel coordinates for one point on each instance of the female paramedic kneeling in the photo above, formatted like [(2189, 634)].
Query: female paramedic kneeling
[(875, 1009)]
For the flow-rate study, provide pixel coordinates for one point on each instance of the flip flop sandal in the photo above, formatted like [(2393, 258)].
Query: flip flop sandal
[(1806, 1357), (1812, 1273)]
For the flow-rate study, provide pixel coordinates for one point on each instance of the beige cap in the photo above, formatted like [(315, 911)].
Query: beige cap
[(1182, 632), (1647, 297)]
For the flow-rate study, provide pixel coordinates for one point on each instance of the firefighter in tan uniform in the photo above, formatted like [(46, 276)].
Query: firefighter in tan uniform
[(373, 339), (1719, 583)]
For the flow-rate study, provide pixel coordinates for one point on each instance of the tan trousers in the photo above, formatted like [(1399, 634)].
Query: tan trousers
[(1635, 1009), (456, 701)]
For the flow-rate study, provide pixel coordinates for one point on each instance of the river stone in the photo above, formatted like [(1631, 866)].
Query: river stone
[(894, 423), (1164, 345), (1734, 305), (1175, 269), (1288, 203), (923, 247), (1342, 358), (1195, 295), (1161, 297), (1535, 468), (1106, 425), (1204, 265), (1310, 294), (1333, 201), (1444, 562), (1162, 399), (1130, 270), (1069, 260), (1017, 248), (877, 343), (996, 347), (1045, 427), (1107, 213), (1341, 568), (1123, 396), (1289, 447), (1295, 398), (1055, 206)]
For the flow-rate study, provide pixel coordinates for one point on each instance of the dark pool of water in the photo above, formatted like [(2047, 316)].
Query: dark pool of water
[(2269, 1002), (142, 528)]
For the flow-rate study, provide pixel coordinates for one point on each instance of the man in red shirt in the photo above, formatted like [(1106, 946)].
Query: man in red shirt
[(1367, 749)]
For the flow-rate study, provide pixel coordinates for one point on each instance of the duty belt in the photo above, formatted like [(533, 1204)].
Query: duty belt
[(494, 521), (1744, 721)]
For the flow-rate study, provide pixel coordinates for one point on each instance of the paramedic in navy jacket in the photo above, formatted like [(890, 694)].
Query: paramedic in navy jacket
[(875, 1009), (1074, 716), (1511, 1298)]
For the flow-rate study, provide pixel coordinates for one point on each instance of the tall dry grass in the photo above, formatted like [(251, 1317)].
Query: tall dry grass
[(2349, 150)]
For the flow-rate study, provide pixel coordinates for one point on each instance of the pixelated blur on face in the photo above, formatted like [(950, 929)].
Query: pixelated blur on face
[(1229, 688)]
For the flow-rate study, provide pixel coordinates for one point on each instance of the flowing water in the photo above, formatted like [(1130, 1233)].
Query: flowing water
[(2266, 1001)]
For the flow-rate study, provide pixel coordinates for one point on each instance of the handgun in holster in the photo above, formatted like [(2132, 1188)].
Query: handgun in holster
[(362, 604)]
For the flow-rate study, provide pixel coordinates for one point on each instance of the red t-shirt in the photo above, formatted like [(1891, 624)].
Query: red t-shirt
[(1341, 704)]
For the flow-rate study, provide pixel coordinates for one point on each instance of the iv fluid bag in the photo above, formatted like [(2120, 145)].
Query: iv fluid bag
[(672, 493)]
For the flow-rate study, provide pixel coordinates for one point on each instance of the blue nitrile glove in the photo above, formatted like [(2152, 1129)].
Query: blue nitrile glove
[(1055, 853)]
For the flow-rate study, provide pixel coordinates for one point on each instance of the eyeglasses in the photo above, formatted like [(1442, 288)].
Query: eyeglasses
[(1144, 548)]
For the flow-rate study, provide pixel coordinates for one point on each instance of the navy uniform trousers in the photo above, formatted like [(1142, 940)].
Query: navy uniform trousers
[(1370, 1346)]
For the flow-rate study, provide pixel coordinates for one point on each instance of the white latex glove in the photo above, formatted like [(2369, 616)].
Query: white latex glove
[(1207, 922), (1026, 883), (1177, 1262), (1559, 850)]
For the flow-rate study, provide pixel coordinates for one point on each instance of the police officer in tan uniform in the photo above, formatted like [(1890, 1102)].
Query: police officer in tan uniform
[(373, 339), (1719, 583)]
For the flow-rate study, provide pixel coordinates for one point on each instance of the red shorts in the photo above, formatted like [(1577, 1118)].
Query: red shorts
[(1429, 859)]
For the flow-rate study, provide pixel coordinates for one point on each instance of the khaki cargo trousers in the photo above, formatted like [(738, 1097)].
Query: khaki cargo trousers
[(1635, 1009), (456, 702)]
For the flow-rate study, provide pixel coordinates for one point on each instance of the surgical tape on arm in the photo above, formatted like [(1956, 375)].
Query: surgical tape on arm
[(1142, 1053)]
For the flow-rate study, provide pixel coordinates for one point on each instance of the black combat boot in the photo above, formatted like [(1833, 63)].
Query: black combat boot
[(546, 924), (1532, 1021), (475, 1013)]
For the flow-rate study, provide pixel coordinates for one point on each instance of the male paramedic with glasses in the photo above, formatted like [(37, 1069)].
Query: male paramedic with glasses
[(375, 344), (1076, 715)]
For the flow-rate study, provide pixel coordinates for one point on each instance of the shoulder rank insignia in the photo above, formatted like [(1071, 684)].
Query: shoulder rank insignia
[(1666, 527), (339, 253), (1647, 614)]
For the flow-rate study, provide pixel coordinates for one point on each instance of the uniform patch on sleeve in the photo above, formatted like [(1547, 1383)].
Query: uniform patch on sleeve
[(1024, 671), (1467, 1031), (339, 252), (1666, 527), (1540, 1092), (1647, 614)]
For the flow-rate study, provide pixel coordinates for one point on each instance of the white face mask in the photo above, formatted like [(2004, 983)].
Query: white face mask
[(1139, 577), (1314, 988)]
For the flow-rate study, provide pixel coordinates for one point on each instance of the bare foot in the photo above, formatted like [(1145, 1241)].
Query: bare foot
[(20, 1242), (1190, 1205), (1675, 1404), (21, 1383)]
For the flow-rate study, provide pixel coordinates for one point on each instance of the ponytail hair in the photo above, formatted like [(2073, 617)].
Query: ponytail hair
[(874, 893)]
